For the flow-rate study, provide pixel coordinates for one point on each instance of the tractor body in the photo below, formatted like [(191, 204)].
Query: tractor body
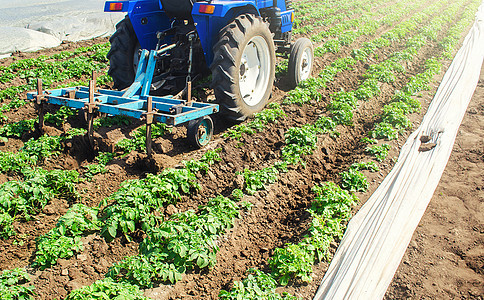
[(208, 18), (234, 41)]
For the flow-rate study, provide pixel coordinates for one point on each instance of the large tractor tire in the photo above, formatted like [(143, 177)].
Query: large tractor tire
[(243, 68), (123, 55)]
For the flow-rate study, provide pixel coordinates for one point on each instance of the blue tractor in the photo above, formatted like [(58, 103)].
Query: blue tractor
[(234, 41)]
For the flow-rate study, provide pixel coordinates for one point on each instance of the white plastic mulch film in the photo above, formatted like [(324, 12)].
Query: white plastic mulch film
[(378, 235), (30, 25)]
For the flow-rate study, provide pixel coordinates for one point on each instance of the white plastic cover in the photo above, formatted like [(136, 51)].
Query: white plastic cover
[(378, 235), (25, 40), (61, 20)]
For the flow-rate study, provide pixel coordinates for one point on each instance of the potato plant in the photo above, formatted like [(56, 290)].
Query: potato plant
[(13, 285), (181, 243), (257, 285)]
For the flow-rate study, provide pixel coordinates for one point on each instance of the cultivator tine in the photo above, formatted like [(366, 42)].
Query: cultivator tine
[(90, 121), (91, 107), (94, 78), (40, 105), (149, 121), (189, 91)]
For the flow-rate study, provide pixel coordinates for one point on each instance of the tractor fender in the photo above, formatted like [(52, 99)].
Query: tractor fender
[(147, 18), (209, 25)]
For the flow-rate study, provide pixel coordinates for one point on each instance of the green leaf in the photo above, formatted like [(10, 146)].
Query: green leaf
[(112, 231), (131, 225), (171, 276), (201, 262), (178, 276), (284, 280), (193, 256), (62, 229), (212, 229), (183, 251)]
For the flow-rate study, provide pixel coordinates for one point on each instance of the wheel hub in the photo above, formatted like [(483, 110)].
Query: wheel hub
[(254, 71), (305, 67), (202, 131), (243, 69), (304, 64)]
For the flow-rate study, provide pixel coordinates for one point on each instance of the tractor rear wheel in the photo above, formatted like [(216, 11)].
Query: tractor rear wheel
[(123, 55), (243, 68)]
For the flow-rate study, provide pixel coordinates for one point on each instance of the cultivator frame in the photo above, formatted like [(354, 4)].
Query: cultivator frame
[(134, 102)]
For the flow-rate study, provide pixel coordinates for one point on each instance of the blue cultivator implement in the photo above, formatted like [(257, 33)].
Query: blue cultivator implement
[(134, 102)]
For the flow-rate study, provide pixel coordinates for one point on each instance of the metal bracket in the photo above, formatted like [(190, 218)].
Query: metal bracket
[(91, 105), (71, 94), (191, 38), (177, 109)]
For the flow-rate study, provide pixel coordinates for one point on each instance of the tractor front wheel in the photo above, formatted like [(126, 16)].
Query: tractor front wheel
[(301, 61), (243, 68), (123, 55)]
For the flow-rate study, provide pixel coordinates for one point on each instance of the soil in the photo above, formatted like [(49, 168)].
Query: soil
[(447, 245)]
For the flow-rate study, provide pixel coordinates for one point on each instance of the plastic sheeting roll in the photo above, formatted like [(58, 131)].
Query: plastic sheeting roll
[(26, 40), (61, 20), (79, 27), (378, 235)]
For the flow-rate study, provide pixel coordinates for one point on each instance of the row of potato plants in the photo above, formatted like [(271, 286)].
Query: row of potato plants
[(38, 187), (132, 207), (173, 245), (53, 70), (360, 18), (330, 209), (367, 26), (310, 16), (35, 187), (309, 89), (343, 103), (23, 198), (26, 197), (30, 193), (393, 117)]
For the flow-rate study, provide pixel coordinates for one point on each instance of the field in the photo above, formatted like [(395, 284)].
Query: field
[(259, 212)]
